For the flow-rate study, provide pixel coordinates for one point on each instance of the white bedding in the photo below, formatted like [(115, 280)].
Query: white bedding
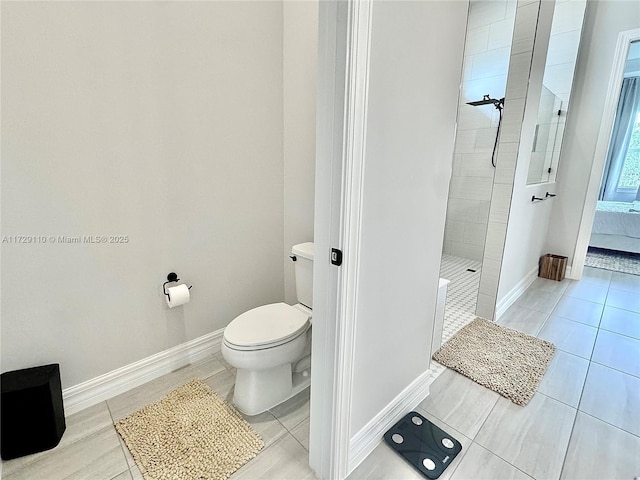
[(615, 218)]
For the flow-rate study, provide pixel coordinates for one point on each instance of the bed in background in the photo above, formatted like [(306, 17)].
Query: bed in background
[(616, 226)]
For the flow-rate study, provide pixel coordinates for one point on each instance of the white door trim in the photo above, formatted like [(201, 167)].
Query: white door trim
[(602, 146), (355, 128), (342, 123)]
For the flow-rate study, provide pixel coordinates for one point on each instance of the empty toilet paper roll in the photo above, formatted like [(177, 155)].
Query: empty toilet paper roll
[(178, 295)]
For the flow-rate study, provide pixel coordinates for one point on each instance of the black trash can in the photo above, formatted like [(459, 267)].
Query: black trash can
[(32, 413)]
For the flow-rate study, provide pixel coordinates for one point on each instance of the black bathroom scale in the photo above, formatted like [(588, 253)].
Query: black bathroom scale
[(428, 449)]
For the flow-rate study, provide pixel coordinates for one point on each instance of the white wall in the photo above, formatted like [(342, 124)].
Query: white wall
[(161, 121), (603, 22), (486, 62), (413, 92), (300, 47)]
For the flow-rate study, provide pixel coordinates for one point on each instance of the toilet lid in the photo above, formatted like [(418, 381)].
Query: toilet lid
[(265, 325)]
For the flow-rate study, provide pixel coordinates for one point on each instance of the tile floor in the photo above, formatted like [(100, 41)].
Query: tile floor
[(583, 423)]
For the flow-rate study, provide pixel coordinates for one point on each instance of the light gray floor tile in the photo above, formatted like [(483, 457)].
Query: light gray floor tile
[(617, 351), (579, 310), (551, 285), (565, 378), (538, 299), (293, 411), (613, 397), (382, 464), (267, 426), (463, 439), (625, 281), (136, 474), (569, 336), (534, 438), (126, 475), (79, 425), (597, 451), (218, 356), (591, 292), (596, 275), (480, 464), (136, 398), (621, 321), (222, 383), (459, 402), (127, 454), (97, 456), (624, 300), (286, 459), (525, 320), (301, 433)]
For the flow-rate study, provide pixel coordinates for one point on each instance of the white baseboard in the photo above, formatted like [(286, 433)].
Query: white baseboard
[(368, 438), (117, 381), (515, 292), (567, 273)]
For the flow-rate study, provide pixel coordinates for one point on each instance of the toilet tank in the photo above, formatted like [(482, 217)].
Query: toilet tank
[(303, 253)]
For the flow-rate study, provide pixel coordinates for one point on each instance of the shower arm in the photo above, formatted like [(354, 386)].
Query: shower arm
[(499, 105)]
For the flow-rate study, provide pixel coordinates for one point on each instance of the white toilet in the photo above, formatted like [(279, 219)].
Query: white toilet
[(270, 346)]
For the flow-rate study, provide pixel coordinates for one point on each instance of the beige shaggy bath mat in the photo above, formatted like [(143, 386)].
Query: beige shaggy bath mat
[(189, 434), (504, 360)]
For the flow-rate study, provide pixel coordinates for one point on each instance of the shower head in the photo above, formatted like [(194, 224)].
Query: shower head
[(486, 100)]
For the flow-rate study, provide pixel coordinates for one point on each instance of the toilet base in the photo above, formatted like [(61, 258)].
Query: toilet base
[(256, 391)]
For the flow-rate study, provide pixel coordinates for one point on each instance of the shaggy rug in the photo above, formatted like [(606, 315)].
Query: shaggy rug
[(504, 360), (190, 433)]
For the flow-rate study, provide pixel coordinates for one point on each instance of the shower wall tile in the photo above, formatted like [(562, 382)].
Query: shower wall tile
[(471, 188), (467, 63), (477, 40), (474, 89), (518, 83), (495, 237), (500, 203), (465, 250), (506, 163), (485, 139), (454, 229), (473, 118), (490, 63), (567, 16), (500, 33), (486, 61), (463, 210), (524, 32), (558, 78), (474, 233), (483, 211), (486, 306), (476, 165), (465, 141), (563, 47), (485, 12), (512, 120), (490, 276)]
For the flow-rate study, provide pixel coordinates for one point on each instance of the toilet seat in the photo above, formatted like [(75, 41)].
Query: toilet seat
[(266, 326)]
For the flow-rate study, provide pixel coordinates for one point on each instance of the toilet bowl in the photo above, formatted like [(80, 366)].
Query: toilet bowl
[(270, 345)]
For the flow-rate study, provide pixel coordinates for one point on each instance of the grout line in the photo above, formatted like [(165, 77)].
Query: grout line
[(614, 369), (610, 424)]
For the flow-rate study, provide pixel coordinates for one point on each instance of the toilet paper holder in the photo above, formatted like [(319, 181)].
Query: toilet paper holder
[(172, 277)]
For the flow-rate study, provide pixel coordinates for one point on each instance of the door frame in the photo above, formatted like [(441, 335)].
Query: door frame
[(602, 146), (343, 77)]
